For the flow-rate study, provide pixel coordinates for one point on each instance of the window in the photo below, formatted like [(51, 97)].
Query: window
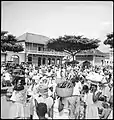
[(43, 49), (39, 48), (27, 46), (44, 60), (29, 59), (34, 46), (30, 45)]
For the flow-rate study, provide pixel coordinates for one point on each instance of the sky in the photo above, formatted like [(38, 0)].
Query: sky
[(92, 19)]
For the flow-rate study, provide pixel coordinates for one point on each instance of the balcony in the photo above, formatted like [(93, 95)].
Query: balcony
[(52, 53)]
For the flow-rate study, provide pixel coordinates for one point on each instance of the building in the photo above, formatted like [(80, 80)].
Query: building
[(96, 57), (35, 51), (109, 58), (3, 56)]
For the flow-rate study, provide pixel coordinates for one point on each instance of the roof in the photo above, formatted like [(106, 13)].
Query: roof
[(92, 52), (107, 55), (33, 38)]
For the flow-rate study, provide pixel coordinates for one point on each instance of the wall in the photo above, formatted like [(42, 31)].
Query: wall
[(82, 58), (98, 60), (33, 46), (35, 59), (21, 56)]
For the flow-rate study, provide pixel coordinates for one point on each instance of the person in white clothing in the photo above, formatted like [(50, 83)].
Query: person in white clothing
[(77, 88), (31, 74), (91, 98), (7, 78), (19, 100), (61, 108)]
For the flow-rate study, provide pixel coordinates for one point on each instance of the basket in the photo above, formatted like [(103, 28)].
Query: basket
[(64, 92)]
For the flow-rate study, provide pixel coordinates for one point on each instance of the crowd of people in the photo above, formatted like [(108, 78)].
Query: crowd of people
[(92, 96)]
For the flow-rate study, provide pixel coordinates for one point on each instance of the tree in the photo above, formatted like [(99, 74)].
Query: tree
[(10, 43), (109, 40), (72, 44)]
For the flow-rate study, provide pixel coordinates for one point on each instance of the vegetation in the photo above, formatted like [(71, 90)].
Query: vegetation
[(72, 44), (10, 43), (109, 40)]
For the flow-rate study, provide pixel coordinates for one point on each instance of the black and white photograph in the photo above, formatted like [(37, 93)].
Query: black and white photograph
[(57, 60)]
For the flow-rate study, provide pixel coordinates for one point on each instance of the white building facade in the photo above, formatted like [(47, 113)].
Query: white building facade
[(35, 51)]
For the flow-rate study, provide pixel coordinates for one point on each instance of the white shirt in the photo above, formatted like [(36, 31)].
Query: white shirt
[(58, 73), (7, 76), (64, 114), (34, 91), (77, 88), (26, 71), (31, 74), (36, 78)]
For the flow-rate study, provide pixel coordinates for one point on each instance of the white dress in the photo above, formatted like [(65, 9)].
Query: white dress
[(106, 91), (111, 115), (7, 76), (64, 114), (19, 98), (77, 88), (91, 109)]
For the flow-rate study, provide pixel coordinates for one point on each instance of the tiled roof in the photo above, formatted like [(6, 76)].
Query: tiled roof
[(91, 52), (33, 38)]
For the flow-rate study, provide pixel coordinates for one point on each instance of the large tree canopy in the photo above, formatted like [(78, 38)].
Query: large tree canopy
[(9, 43), (109, 40), (72, 44)]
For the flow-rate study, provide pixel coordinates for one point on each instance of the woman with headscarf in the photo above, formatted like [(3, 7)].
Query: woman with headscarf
[(91, 99), (18, 98)]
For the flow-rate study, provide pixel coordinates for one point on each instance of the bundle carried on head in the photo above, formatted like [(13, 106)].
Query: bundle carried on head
[(65, 84), (64, 89)]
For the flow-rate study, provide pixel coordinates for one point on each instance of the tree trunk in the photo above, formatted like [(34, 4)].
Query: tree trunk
[(73, 57)]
